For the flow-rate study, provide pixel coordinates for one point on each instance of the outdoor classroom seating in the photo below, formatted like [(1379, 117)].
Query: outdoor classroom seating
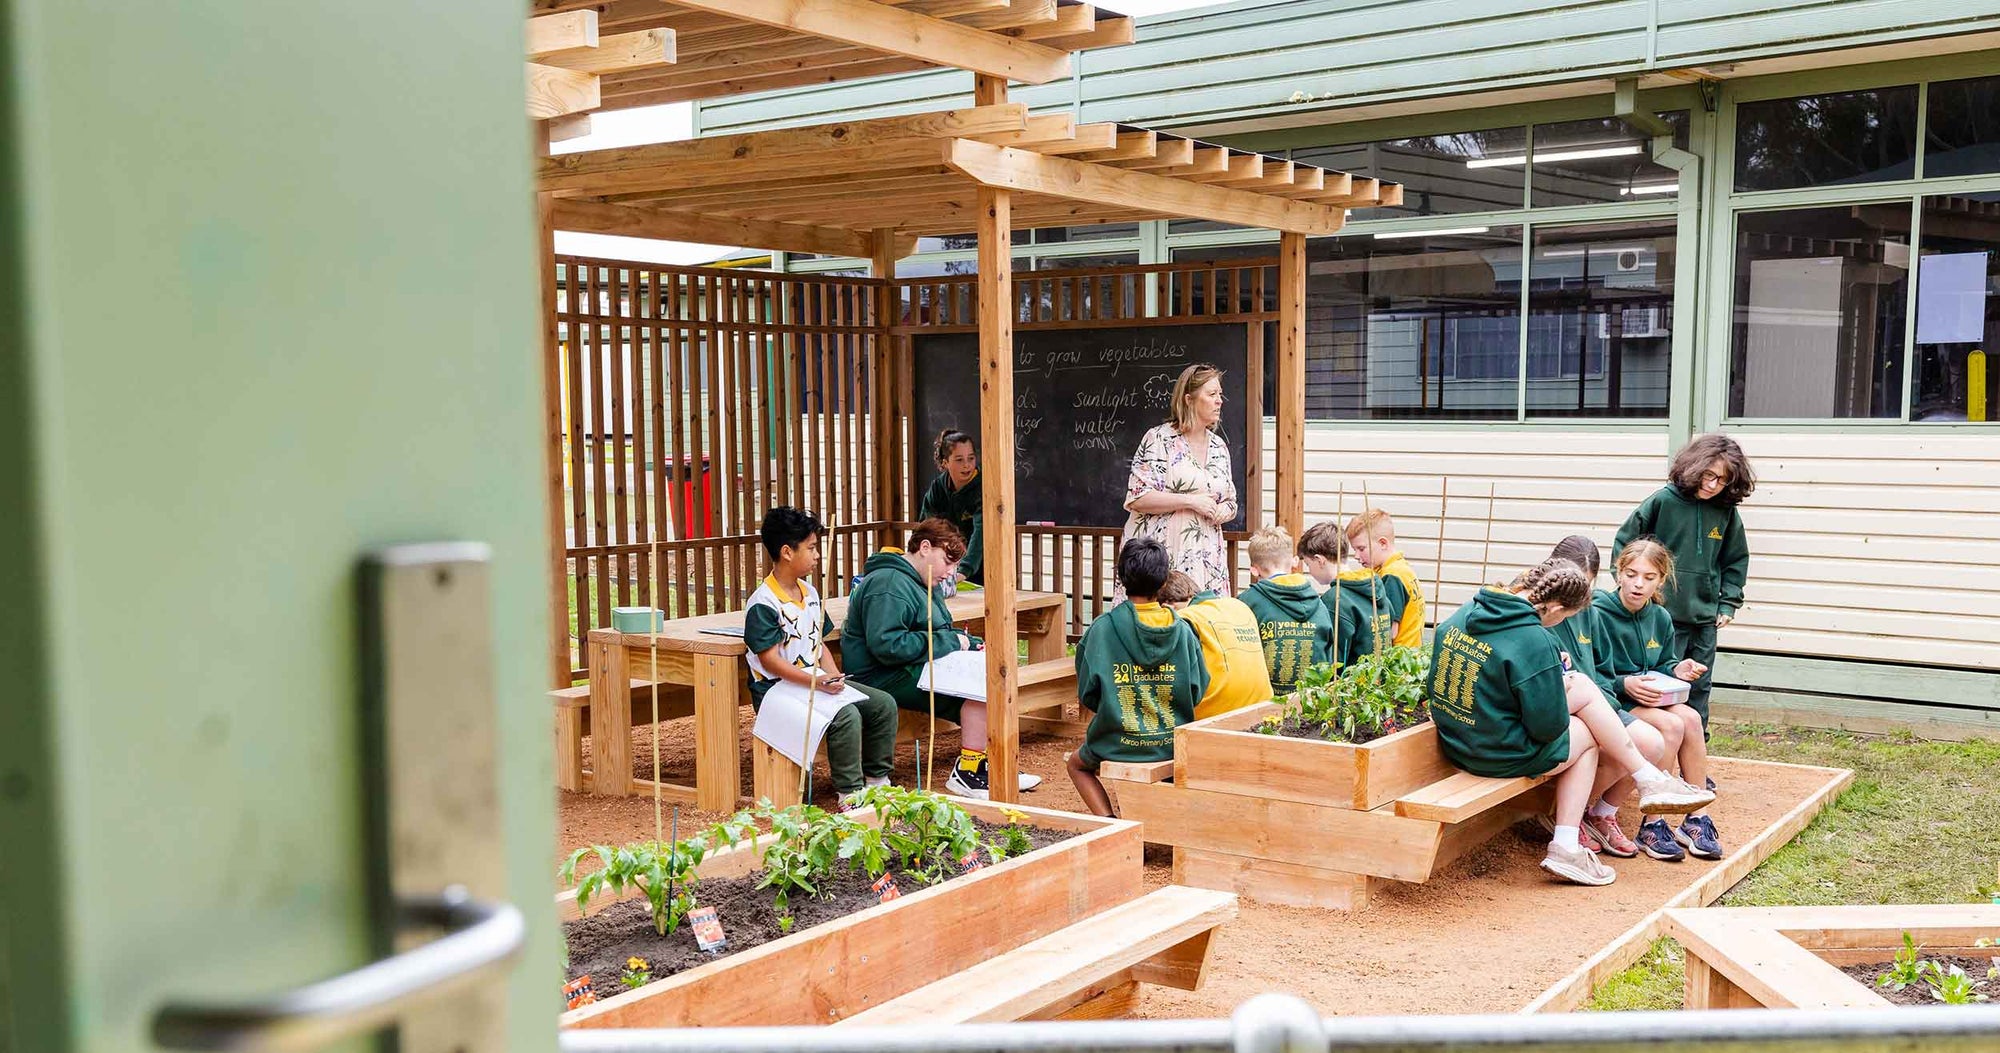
[(1312, 823)]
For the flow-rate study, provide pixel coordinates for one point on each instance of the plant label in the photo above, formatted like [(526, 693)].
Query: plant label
[(886, 888), (971, 862), (707, 929), (578, 992)]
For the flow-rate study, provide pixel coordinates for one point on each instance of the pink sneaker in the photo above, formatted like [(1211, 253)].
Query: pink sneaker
[(1607, 837)]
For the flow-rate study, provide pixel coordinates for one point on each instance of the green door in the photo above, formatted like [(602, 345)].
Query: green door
[(267, 302)]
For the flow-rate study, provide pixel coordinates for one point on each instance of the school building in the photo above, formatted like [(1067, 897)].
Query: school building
[(1624, 222)]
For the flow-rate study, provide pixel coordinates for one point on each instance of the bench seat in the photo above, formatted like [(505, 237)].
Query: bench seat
[(1462, 796), (573, 723)]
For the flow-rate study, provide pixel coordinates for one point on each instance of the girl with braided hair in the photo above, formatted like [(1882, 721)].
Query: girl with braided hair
[(1504, 708)]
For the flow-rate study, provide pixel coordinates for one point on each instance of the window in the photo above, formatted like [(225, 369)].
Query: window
[(1481, 171), (1601, 159), (1819, 312), (1424, 326), (1814, 140), (1962, 129), (1600, 319), (1958, 274)]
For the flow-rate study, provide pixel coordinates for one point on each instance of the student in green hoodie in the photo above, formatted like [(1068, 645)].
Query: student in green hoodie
[(1695, 516), (1504, 709), (1364, 619), (1295, 626), (1637, 638), (954, 496), (1139, 672), (896, 622), (1581, 643)]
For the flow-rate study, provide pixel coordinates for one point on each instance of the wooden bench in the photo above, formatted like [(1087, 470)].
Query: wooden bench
[(1462, 797), (573, 723), (1088, 970), (1044, 686)]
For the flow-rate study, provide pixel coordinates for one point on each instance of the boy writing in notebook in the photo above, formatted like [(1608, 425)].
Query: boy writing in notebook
[(1373, 537), (784, 633)]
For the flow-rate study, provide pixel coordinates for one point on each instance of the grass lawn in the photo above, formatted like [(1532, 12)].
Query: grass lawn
[(1920, 824)]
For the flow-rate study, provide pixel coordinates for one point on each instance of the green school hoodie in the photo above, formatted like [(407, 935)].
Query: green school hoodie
[(1139, 669), (1361, 601), (1295, 626), (1496, 691), (1711, 552), (1579, 637), (1632, 644), (884, 630), (965, 509)]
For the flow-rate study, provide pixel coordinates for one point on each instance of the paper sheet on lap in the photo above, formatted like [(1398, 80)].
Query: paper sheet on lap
[(781, 719), (961, 674)]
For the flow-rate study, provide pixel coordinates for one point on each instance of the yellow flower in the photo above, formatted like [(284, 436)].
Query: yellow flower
[(636, 964), (1014, 815)]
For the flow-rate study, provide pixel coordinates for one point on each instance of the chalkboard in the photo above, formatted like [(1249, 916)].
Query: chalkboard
[(1083, 398)]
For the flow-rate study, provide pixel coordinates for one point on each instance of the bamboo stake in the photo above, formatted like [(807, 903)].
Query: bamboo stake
[(1375, 586), (655, 676), (805, 748), (1486, 550), (1437, 583), (1340, 524), (926, 776)]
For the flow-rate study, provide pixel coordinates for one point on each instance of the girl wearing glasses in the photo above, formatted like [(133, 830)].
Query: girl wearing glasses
[(1695, 517)]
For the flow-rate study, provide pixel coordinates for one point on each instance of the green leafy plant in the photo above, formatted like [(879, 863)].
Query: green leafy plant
[(638, 972), (1378, 694), (1904, 970), (928, 833), (807, 844), (1988, 942), (664, 872), (1949, 984), (1013, 839)]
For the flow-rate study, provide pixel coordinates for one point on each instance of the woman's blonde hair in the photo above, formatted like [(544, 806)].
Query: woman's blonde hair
[(1654, 551), (1554, 581), (1193, 378)]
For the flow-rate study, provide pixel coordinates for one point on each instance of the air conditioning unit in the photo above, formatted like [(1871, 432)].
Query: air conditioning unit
[(1649, 323)]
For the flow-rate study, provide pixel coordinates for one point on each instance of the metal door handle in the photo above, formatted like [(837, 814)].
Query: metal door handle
[(477, 934)]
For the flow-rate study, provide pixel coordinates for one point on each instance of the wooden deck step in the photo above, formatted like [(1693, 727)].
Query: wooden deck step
[(1159, 938), (1046, 685), (1462, 797)]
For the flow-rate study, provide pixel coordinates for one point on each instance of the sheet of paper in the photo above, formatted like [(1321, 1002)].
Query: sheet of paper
[(1951, 298), (782, 718), (961, 674)]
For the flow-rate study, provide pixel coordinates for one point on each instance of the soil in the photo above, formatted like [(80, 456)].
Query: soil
[(1920, 994), (1295, 728), (600, 943), (1494, 906)]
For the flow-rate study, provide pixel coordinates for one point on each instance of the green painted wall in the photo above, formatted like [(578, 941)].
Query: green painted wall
[(267, 299)]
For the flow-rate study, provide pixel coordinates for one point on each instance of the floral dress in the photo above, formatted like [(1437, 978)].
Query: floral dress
[(1166, 462)]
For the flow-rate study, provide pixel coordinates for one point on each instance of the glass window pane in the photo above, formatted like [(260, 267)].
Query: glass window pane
[(1958, 312), (1601, 159), (1479, 171), (1600, 320), (1813, 140), (1421, 327), (1097, 232), (1819, 312), (1962, 130)]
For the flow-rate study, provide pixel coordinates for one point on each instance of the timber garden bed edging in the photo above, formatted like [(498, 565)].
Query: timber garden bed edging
[(1793, 957), (845, 966)]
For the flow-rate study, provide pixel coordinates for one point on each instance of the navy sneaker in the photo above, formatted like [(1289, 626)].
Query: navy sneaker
[(1711, 784), (1697, 832), (1656, 839)]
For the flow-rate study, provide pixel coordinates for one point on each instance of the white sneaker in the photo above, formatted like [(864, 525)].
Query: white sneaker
[(1577, 865), (967, 784), (870, 782), (1026, 781), (1669, 794)]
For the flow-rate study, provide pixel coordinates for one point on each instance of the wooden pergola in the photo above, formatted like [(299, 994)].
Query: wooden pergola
[(870, 188)]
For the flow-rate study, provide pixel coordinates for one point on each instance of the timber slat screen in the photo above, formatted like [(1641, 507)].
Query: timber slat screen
[(1078, 561), (694, 399)]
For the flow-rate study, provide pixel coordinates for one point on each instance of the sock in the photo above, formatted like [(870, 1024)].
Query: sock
[(1646, 772), (1603, 809), (971, 760), (873, 781), (1566, 838)]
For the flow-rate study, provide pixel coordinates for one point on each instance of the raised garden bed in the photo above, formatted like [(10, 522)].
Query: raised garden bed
[(1826, 957), (1225, 753), (821, 973)]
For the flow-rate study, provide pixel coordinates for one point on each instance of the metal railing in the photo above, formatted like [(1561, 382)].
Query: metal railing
[(1283, 1024)]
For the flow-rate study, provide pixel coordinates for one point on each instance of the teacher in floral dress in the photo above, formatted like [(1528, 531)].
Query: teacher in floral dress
[(1181, 490)]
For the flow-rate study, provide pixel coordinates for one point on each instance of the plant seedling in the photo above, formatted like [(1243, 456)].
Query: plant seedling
[(1904, 970), (1950, 985), (638, 973), (664, 871)]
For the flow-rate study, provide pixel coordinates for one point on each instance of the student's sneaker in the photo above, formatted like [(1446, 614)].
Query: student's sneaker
[(872, 781), (1656, 839), (1584, 836), (1577, 865), (976, 783), (1697, 832), (1604, 830), (1664, 793), (1711, 783)]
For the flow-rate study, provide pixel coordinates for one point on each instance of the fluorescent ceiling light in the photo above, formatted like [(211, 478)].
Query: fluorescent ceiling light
[(1652, 188), (1594, 250), (1392, 235), (1557, 155)]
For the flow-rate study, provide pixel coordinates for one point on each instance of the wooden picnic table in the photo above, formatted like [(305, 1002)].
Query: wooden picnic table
[(684, 654)]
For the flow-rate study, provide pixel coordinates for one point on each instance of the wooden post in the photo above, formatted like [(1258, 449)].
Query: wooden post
[(886, 429), (552, 425), (1291, 408), (996, 448)]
